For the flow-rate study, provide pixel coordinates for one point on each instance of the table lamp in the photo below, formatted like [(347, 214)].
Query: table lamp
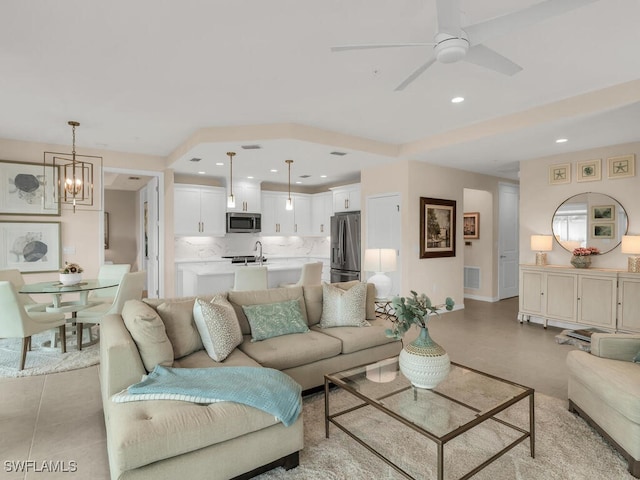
[(631, 244), (541, 244), (380, 260)]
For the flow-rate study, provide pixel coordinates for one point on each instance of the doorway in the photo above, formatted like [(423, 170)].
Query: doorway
[(384, 231), (134, 201), (508, 241)]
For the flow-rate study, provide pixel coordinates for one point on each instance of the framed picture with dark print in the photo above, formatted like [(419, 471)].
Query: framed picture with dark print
[(471, 225), (437, 228), (621, 166), (603, 230), (26, 189), (603, 213), (30, 247), (589, 170)]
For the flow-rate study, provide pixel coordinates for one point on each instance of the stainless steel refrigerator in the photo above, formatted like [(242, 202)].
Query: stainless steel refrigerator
[(345, 247)]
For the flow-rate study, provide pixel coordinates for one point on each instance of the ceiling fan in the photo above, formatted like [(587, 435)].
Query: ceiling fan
[(453, 43)]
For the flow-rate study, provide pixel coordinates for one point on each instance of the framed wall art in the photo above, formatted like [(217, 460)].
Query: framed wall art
[(603, 213), (589, 170), (603, 230), (106, 230), (437, 228), (471, 225), (30, 247), (559, 174), (622, 166), (26, 189)]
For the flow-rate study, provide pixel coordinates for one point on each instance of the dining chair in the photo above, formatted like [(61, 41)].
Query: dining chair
[(14, 277), (18, 323), (130, 288), (250, 278), (109, 272), (311, 274)]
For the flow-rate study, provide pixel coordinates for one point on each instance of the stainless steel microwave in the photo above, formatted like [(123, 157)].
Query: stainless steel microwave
[(243, 222)]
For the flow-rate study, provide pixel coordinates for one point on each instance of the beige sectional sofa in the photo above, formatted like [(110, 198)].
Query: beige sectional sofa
[(167, 439), (604, 388)]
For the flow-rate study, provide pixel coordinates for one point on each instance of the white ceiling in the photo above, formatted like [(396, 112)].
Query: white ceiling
[(167, 78)]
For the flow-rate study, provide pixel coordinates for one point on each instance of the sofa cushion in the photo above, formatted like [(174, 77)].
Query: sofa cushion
[(293, 350), (313, 300), (269, 320), (201, 359), (218, 326), (257, 297), (148, 333), (181, 329), (355, 339), (615, 382), (343, 308)]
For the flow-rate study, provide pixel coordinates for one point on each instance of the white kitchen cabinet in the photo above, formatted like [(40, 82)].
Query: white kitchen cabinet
[(199, 210), (321, 212), (629, 302), (301, 214), (247, 197), (568, 295), (346, 198), (276, 219)]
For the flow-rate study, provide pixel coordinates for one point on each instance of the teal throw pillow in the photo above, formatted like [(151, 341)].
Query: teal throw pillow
[(275, 319), (636, 359)]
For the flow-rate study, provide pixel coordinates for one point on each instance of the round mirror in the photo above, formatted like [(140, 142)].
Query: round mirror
[(590, 220)]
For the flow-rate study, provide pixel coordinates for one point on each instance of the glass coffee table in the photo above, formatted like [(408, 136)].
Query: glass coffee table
[(466, 402)]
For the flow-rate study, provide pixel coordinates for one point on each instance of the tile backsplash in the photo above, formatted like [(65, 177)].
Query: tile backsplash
[(210, 248)]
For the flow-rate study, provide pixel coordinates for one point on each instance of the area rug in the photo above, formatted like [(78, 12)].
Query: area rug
[(43, 359), (566, 448)]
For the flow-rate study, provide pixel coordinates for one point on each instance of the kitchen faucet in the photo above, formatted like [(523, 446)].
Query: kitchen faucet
[(255, 249)]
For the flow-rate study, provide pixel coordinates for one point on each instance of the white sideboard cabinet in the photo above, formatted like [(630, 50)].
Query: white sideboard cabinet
[(587, 297)]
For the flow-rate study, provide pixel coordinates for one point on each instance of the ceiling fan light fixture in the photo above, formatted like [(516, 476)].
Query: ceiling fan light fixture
[(450, 49)]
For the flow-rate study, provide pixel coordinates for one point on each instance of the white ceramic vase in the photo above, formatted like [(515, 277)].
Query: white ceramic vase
[(424, 362), (70, 278)]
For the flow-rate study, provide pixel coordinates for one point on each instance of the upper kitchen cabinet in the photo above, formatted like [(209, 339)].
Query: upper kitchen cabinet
[(321, 212), (346, 198), (199, 210), (247, 197), (277, 220)]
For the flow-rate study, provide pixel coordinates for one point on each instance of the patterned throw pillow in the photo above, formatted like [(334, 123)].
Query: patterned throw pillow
[(344, 308), (218, 327), (275, 319)]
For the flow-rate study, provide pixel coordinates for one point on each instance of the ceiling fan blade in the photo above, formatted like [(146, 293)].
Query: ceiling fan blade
[(342, 48), (495, 27), (487, 58), (449, 17), (415, 75)]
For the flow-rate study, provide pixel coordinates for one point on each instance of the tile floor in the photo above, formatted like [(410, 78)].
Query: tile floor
[(58, 417)]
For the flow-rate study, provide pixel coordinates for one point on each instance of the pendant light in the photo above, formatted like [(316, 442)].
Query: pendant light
[(289, 204), (231, 200), (72, 174)]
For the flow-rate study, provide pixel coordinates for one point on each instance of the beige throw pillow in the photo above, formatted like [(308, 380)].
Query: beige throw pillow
[(344, 308), (181, 329), (148, 333), (218, 326)]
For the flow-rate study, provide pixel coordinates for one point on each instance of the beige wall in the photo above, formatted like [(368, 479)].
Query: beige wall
[(539, 200), (437, 277), (122, 207), (475, 250), (81, 230)]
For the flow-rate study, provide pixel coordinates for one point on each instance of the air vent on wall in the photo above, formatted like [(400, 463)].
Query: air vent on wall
[(305, 176), (472, 277), (251, 147), (195, 159), (340, 154)]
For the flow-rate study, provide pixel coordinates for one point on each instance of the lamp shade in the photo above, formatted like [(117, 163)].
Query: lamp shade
[(631, 244), (541, 243), (380, 260)]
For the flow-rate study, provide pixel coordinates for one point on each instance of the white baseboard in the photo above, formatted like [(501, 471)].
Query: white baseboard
[(481, 298)]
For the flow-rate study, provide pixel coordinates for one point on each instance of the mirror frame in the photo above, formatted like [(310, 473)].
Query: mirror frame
[(602, 252)]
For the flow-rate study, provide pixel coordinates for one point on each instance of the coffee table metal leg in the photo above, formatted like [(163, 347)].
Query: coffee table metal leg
[(326, 408), (532, 426), (79, 327), (440, 461)]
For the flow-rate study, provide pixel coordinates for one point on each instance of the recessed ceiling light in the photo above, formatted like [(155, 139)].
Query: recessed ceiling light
[(457, 100), (201, 173), (250, 177), (298, 181), (562, 140), (219, 164), (274, 170), (323, 176)]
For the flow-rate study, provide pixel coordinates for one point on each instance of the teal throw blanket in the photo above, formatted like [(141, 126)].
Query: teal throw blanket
[(264, 388)]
